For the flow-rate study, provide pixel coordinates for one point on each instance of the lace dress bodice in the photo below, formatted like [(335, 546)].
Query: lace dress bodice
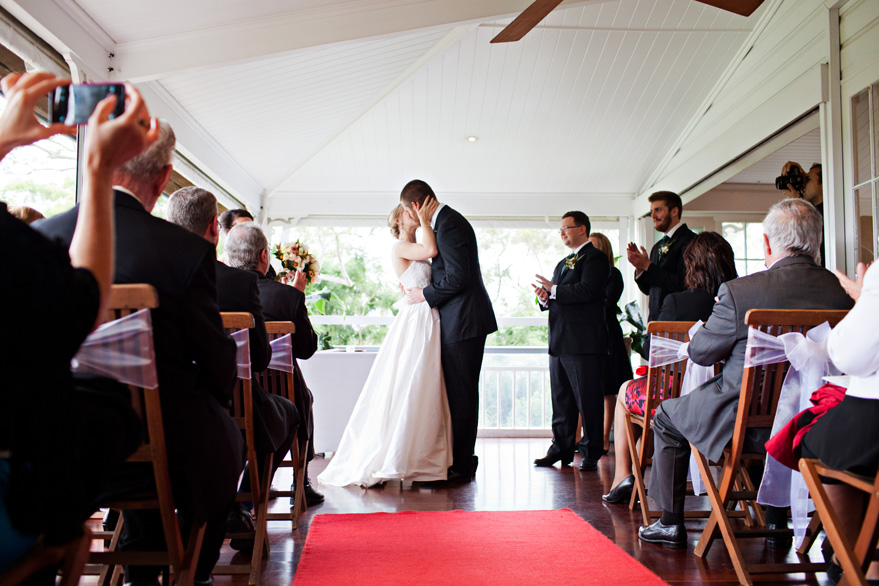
[(417, 275)]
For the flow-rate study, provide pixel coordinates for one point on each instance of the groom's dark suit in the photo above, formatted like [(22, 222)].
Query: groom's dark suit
[(466, 318), (578, 349)]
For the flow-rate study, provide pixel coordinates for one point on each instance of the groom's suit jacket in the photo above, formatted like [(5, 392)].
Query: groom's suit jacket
[(457, 290), (577, 322), (665, 275)]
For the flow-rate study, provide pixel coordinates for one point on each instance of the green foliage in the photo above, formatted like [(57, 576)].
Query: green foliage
[(46, 198)]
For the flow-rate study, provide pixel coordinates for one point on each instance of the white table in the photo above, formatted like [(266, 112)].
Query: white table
[(336, 379)]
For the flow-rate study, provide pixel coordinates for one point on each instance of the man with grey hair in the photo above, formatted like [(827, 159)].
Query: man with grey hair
[(276, 418), (247, 248), (706, 417), (195, 359)]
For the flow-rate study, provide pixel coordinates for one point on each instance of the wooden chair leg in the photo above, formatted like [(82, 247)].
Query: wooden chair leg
[(74, 559), (260, 509), (709, 533), (185, 575)]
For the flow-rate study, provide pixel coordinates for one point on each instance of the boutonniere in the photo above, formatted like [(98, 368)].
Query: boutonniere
[(570, 262), (663, 250)]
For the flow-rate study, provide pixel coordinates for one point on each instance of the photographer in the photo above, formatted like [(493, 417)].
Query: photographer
[(801, 185)]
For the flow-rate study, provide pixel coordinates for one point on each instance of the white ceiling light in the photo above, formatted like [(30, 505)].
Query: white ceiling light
[(472, 138)]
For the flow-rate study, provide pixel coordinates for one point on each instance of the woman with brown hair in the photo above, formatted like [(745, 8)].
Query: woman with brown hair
[(618, 368), (710, 262)]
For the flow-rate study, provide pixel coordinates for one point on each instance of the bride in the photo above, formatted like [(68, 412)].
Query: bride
[(400, 428)]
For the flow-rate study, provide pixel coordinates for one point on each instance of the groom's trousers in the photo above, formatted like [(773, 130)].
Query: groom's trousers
[(462, 362)]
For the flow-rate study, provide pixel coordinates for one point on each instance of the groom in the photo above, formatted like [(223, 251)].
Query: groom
[(466, 319)]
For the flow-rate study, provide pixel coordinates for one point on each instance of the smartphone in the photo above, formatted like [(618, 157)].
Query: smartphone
[(73, 104)]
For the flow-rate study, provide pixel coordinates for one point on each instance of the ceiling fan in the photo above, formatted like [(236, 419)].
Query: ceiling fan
[(540, 8)]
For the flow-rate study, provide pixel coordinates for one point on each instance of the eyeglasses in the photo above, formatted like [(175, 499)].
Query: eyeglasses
[(563, 228)]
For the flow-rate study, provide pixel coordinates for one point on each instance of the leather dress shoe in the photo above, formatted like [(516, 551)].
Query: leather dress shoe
[(312, 496), (550, 460), (456, 477), (240, 521), (589, 464), (673, 536), (621, 493), (779, 541)]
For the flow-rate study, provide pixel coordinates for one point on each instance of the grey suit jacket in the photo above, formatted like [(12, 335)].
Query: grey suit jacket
[(706, 417)]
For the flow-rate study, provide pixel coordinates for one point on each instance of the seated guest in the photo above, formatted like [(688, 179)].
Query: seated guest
[(26, 214), (194, 357), (66, 433), (248, 249), (706, 417), (847, 437), (710, 262), (619, 367), (276, 418)]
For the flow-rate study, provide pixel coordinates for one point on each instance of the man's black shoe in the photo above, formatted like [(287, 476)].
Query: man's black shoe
[(779, 541), (240, 521), (550, 460), (621, 493), (589, 464), (673, 536), (312, 496), (456, 477)]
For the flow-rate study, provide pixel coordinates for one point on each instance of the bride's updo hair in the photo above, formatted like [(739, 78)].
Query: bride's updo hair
[(393, 218)]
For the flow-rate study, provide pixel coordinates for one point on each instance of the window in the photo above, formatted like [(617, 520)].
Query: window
[(746, 239), (41, 176), (865, 119)]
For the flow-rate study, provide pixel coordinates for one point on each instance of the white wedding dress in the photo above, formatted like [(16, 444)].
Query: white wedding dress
[(400, 428)]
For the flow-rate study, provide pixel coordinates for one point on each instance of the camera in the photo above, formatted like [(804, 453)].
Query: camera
[(73, 104), (794, 178)]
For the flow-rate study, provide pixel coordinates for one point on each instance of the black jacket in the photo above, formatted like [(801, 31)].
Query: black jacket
[(457, 290), (665, 275), (195, 359)]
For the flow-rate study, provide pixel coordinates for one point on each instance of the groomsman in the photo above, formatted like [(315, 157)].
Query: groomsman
[(663, 271), (578, 345)]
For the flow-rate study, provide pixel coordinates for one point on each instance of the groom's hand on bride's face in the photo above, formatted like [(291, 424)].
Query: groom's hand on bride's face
[(414, 295)]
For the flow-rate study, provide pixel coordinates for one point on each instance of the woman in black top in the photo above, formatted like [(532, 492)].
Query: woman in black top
[(619, 368), (710, 262)]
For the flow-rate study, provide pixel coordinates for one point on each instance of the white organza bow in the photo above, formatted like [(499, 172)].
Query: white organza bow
[(667, 351), (282, 353), (121, 349), (242, 343), (781, 486)]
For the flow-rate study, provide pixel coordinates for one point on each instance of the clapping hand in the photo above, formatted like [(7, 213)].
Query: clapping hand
[(542, 293), (853, 288), (637, 258), (299, 280), (544, 282)]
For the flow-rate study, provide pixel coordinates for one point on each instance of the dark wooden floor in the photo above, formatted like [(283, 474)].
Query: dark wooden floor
[(506, 480)]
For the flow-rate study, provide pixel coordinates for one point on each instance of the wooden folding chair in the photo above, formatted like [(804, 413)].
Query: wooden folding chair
[(758, 402), (125, 300), (663, 383), (854, 558), (71, 556), (242, 413), (279, 382)]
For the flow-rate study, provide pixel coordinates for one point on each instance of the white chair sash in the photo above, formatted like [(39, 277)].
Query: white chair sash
[(781, 486), (667, 351), (121, 349), (242, 343), (282, 354)]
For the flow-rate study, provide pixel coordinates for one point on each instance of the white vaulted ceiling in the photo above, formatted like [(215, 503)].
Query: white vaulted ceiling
[(325, 107)]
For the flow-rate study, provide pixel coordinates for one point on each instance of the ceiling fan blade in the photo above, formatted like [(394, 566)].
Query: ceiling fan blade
[(743, 7), (526, 21)]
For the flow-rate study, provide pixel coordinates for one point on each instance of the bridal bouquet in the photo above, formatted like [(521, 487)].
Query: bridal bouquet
[(295, 257)]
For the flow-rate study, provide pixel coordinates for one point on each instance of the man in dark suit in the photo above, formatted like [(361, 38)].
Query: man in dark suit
[(276, 418), (578, 345), (248, 249), (466, 318), (663, 272), (194, 357), (706, 417)]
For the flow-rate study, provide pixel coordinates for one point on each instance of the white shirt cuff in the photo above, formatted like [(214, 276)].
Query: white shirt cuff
[(552, 292)]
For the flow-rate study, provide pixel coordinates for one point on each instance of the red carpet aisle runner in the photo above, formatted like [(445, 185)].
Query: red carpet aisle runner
[(462, 548)]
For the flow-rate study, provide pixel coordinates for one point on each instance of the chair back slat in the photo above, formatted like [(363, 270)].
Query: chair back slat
[(664, 382)]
